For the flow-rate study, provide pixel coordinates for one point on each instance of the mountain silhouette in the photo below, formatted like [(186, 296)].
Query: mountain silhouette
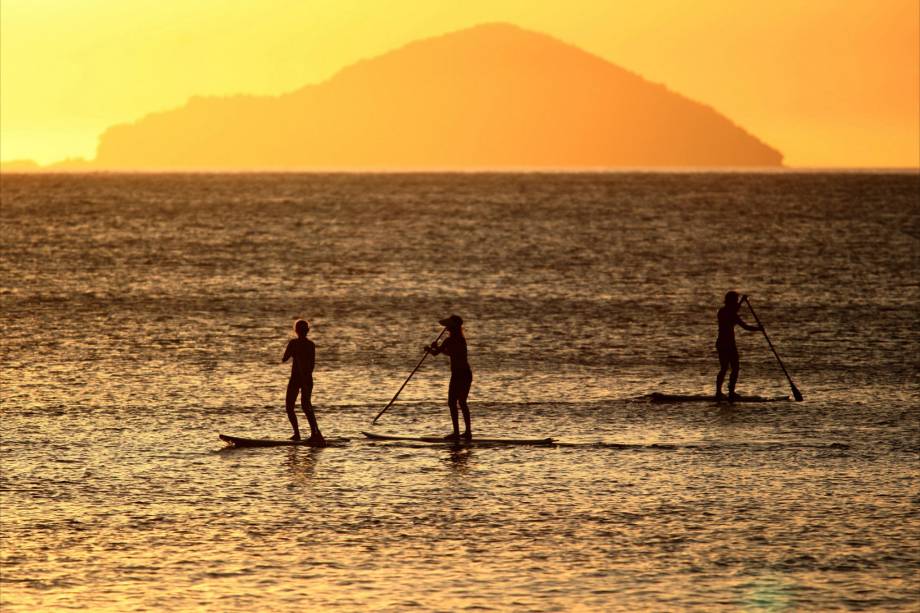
[(493, 96)]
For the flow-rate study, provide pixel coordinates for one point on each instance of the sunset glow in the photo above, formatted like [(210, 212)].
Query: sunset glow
[(827, 83), (504, 305)]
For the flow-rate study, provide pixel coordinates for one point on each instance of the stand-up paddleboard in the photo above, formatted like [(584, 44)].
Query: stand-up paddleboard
[(238, 441), (661, 397), (474, 441)]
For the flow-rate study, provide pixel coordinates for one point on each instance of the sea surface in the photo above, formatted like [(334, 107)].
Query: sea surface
[(144, 314)]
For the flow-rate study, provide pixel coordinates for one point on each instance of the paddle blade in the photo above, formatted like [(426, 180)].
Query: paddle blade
[(374, 423), (797, 394)]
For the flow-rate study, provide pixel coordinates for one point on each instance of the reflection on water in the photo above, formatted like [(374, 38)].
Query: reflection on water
[(302, 463), (771, 593), (459, 460), (143, 315)]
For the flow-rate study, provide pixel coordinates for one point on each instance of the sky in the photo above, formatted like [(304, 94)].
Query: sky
[(830, 83)]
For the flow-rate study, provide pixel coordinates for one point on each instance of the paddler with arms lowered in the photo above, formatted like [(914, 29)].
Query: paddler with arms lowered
[(725, 343), (303, 351)]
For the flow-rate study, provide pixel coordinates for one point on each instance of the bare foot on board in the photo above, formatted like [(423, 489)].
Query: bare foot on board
[(317, 440)]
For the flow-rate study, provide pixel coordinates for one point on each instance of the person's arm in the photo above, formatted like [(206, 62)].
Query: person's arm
[(287, 352), (444, 348), (747, 327)]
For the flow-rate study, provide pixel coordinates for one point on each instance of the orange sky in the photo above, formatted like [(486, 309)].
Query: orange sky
[(827, 82)]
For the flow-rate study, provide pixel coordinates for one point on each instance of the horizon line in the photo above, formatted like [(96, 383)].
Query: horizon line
[(485, 170)]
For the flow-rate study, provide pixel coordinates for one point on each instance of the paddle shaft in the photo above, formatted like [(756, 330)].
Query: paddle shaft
[(795, 391), (417, 366)]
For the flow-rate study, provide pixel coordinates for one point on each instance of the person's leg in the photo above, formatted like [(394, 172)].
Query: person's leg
[(452, 405), (289, 400), (306, 403), (723, 368), (733, 378), (463, 394)]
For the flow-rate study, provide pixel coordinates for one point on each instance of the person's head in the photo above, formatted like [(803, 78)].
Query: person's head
[(731, 299), (301, 327), (454, 323)]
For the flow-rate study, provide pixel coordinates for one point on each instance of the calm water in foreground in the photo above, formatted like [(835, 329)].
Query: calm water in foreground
[(143, 315)]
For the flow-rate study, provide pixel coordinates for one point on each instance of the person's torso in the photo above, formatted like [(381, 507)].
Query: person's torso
[(303, 352), (455, 348), (727, 320)]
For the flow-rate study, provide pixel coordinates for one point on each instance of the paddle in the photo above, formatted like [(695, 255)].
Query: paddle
[(417, 366), (795, 391)]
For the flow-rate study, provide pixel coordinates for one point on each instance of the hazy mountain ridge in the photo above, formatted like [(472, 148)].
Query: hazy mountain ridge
[(490, 97)]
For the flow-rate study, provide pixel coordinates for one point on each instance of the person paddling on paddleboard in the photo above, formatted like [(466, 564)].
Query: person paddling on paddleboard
[(303, 351), (725, 343), (461, 375)]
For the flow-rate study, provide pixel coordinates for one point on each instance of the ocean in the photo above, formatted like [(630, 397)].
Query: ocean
[(145, 314)]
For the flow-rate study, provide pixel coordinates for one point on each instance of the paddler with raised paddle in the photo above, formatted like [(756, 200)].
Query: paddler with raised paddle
[(461, 375)]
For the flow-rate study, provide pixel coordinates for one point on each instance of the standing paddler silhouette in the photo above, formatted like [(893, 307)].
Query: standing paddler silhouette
[(461, 375), (728, 318), (303, 351)]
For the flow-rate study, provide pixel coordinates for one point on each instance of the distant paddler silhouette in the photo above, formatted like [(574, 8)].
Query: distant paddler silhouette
[(725, 343)]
